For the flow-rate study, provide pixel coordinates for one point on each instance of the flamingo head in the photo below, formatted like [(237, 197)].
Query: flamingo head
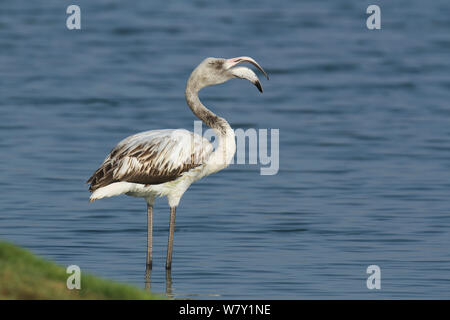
[(218, 70)]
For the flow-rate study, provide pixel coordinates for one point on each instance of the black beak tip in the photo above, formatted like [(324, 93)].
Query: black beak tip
[(258, 85)]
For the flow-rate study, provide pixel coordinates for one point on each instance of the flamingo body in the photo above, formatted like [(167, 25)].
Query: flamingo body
[(157, 163)]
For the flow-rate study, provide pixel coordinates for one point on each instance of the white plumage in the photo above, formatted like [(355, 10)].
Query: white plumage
[(159, 163)]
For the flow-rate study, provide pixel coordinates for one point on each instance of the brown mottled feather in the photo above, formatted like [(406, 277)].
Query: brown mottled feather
[(148, 158)]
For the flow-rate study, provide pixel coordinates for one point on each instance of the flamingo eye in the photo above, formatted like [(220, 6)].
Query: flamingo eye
[(216, 64)]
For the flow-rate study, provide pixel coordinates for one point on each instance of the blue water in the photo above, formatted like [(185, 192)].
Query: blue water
[(364, 120)]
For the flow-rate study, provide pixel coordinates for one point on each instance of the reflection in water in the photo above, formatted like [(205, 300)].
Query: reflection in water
[(169, 283), (148, 272), (169, 292)]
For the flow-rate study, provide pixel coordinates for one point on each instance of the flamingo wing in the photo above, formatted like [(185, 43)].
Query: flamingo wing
[(152, 157)]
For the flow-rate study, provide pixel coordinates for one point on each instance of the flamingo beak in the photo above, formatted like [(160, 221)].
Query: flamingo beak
[(245, 73), (230, 63)]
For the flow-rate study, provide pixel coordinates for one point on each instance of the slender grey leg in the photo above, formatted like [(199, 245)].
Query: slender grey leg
[(149, 235), (173, 211)]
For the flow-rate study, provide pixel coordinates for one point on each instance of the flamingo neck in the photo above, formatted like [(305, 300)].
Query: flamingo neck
[(226, 148), (207, 116)]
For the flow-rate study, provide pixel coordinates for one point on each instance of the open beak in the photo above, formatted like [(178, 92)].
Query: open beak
[(235, 61), (245, 73)]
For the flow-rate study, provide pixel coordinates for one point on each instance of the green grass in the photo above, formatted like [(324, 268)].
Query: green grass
[(25, 276)]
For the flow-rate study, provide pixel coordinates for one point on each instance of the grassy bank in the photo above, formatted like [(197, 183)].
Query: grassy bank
[(25, 276)]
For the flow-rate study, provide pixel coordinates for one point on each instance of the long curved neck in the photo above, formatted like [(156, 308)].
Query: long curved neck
[(224, 153), (203, 113)]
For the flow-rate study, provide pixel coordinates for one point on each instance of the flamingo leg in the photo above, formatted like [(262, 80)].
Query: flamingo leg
[(149, 235), (173, 211)]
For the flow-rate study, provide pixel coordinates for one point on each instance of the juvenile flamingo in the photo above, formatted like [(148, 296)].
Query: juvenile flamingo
[(166, 162)]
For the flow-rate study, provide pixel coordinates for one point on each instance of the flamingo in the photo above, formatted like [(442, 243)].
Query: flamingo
[(166, 162)]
